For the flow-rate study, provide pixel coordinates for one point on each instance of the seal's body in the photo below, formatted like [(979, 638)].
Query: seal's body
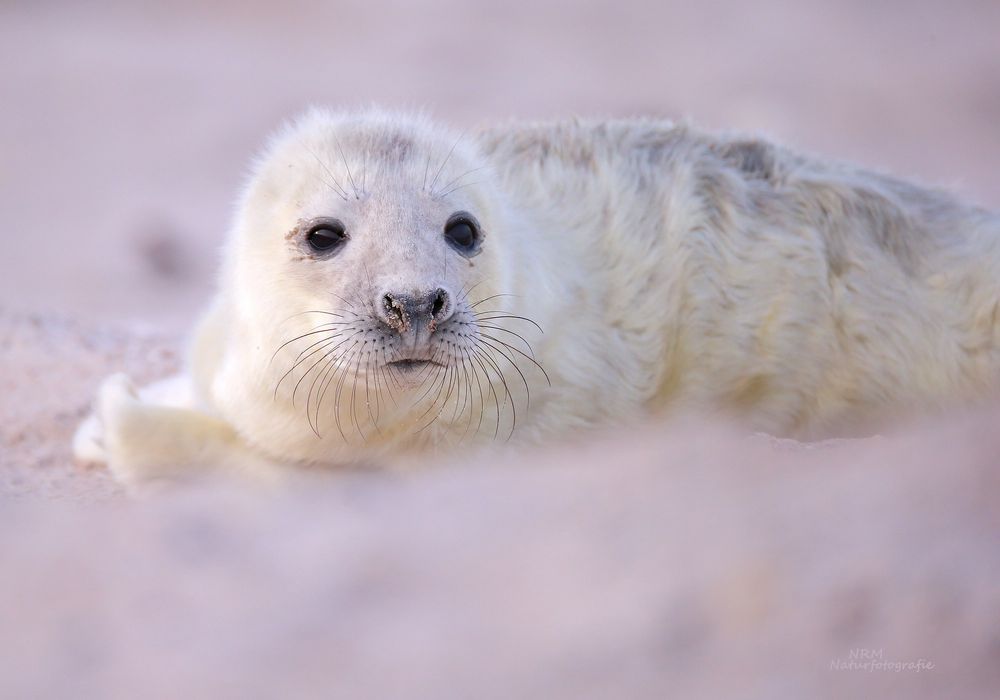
[(390, 287)]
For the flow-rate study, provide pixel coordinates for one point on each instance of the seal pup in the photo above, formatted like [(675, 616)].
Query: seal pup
[(391, 287)]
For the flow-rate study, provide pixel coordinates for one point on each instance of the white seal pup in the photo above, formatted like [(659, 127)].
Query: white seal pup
[(390, 287)]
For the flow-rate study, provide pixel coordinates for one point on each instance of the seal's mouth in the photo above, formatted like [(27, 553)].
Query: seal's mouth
[(411, 366)]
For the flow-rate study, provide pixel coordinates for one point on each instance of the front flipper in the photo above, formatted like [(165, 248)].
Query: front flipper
[(142, 441)]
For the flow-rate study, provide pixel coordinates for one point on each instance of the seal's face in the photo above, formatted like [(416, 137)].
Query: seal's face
[(366, 264)]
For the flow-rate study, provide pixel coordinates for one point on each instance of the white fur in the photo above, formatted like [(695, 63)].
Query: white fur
[(667, 268)]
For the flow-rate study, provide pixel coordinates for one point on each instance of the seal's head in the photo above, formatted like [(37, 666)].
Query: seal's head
[(365, 273)]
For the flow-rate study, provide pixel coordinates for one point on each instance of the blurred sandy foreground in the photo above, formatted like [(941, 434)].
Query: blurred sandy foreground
[(676, 561)]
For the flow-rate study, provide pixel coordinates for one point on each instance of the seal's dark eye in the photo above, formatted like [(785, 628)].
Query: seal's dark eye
[(462, 232), (326, 236)]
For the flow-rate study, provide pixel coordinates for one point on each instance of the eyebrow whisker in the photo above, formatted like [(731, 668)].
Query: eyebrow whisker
[(339, 190)]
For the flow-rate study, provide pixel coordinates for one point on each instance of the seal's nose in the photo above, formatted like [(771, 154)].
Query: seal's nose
[(404, 312)]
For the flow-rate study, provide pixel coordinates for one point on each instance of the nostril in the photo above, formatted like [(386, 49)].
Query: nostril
[(393, 310), (441, 306)]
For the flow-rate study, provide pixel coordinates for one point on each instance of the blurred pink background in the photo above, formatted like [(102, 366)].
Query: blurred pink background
[(127, 127)]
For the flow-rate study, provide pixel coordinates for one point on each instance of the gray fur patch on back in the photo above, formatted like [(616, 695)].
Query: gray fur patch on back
[(753, 158), (842, 212)]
